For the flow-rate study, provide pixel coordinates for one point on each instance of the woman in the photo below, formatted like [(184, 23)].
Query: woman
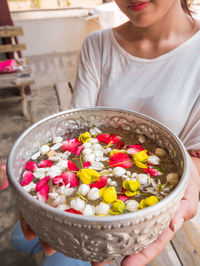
[(149, 64)]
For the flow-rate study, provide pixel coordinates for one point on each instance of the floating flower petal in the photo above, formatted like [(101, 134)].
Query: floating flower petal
[(120, 159), (30, 166), (88, 175), (45, 164), (85, 137), (71, 210), (100, 183), (42, 182), (27, 178), (69, 177), (132, 149), (71, 166), (118, 207), (42, 194), (148, 202), (109, 194), (73, 146), (108, 138)]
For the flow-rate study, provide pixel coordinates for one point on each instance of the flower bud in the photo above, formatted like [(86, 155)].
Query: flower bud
[(93, 194)]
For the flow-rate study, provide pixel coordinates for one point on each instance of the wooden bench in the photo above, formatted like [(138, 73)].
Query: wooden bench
[(21, 78)]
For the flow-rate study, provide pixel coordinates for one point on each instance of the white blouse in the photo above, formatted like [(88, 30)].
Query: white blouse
[(166, 88)]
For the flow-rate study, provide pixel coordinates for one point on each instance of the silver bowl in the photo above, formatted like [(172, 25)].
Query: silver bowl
[(96, 238)]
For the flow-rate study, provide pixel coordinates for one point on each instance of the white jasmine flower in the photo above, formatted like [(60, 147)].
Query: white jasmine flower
[(53, 195), (95, 131), (30, 187), (65, 155), (77, 204), (44, 149), (63, 207), (87, 145), (98, 153), (87, 151), (132, 205), (153, 159), (102, 209), (89, 210), (142, 179), (93, 140), (97, 165), (35, 156), (56, 146), (119, 171), (128, 173), (60, 199), (89, 157), (57, 139), (66, 191), (93, 194), (54, 158), (134, 175), (108, 150), (54, 171), (62, 164), (84, 189), (40, 173), (97, 146), (113, 183)]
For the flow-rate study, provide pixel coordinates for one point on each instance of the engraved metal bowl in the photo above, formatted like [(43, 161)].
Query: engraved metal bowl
[(96, 238)]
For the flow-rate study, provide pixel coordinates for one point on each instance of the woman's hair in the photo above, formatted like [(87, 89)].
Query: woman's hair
[(186, 6)]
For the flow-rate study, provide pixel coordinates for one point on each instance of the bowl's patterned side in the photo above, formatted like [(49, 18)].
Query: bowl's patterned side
[(97, 241), (86, 239)]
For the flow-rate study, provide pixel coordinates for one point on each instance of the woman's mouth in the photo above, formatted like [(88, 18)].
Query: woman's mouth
[(138, 6)]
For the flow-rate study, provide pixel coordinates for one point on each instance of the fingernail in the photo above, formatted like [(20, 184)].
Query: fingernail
[(178, 224)]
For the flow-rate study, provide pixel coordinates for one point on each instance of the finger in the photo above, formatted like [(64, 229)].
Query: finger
[(47, 249), (188, 207), (101, 263), (149, 253), (27, 231)]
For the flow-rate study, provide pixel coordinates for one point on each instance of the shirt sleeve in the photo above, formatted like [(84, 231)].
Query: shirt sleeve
[(87, 84), (191, 132)]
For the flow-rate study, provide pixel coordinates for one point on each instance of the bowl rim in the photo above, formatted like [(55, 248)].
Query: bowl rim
[(100, 219)]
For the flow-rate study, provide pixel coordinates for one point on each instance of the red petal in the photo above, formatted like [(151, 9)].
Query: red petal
[(71, 166), (86, 164), (132, 149), (42, 194), (120, 159), (79, 149), (120, 144), (42, 182), (153, 172), (73, 211), (27, 178), (58, 180), (45, 164), (30, 166), (100, 183), (107, 138), (122, 197), (71, 145), (69, 177)]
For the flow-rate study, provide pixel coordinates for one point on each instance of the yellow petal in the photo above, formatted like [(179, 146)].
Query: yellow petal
[(141, 156), (85, 137), (141, 165), (134, 185), (109, 195), (88, 175)]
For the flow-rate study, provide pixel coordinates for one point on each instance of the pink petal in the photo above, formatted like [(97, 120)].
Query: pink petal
[(132, 149), (120, 159), (30, 166), (42, 194), (27, 178), (71, 145), (122, 197), (73, 211), (69, 177), (86, 164), (45, 164), (152, 171), (71, 166), (58, 180), (120, 144), (42, 182), (100, 183), (79, 150), (107, 138)]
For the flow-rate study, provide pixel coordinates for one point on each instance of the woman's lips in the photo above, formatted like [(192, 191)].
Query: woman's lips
[(137, 6)]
